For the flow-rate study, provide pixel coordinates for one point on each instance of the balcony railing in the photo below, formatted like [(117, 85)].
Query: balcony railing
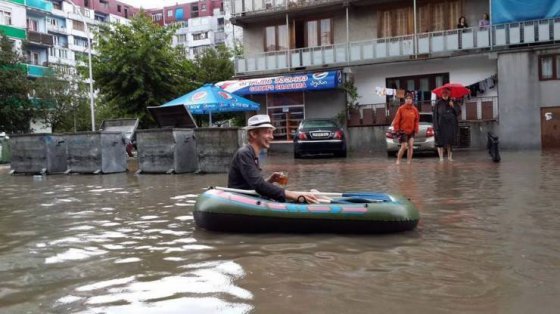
[(57, 29), (476, 109), (248, 7), (497, 37), (39, 38), (40, 5), (37, 70)]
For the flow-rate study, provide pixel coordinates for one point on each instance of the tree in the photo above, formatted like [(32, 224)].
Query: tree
[(136, 67), (62, 102), (214, 65), (15, 108)]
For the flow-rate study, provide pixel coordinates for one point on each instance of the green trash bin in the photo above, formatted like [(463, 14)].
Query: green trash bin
[(4, 150)]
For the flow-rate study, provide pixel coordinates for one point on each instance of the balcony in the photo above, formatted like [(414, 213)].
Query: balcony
[(57, 29), (13, 32), (22, 2), (424, 45), (38, 71), (240, 8), (40, 5), (40, 39)]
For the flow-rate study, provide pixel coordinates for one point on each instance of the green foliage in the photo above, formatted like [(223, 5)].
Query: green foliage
[(15, 108), (214, 65), (137, 67), (62, 101)]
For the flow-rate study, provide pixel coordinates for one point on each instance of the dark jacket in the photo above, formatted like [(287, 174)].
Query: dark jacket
[(245, 174)]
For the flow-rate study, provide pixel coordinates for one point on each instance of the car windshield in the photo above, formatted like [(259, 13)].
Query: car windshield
[(308, 124), (426, 118)]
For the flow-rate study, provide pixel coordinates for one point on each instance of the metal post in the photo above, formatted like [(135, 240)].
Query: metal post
[(288, 61), (415, 41), (91, 96), (491, 28), (347, 37)]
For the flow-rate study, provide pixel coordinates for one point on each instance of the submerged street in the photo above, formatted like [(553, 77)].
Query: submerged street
[(487, 242)]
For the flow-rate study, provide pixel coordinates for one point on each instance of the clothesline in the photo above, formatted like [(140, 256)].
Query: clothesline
[(479, 87)]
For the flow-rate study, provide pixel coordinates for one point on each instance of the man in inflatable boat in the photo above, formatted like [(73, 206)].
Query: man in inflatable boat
[(245, 173)]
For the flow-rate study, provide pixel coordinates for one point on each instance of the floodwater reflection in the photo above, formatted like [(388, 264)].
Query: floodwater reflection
[(487, 242)]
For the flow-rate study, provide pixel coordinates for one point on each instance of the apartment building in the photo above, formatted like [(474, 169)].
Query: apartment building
[(52, 34), (202, 25), (297, 54)]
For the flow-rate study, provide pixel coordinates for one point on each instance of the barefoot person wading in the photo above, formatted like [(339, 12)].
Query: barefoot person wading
[(406, 124), (245, 172)]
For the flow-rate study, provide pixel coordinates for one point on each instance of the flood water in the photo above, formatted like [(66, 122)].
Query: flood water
[(488, 242)]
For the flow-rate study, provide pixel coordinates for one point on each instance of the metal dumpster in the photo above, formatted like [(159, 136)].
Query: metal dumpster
[(126, 126), (166, 151), (38, 153), (215, 148), (96, 152), (4, 149)]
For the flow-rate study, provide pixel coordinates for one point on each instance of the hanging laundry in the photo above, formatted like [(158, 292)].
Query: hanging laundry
[(381, 91), (400, 93), (390, 92), (490, 82)]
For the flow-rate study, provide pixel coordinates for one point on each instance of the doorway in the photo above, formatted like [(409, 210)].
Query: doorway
[(550, 127)]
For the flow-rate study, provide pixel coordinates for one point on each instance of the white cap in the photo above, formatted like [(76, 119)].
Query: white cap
[(259, 121)]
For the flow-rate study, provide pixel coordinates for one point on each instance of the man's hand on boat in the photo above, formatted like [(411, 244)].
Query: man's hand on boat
[(301, 197)]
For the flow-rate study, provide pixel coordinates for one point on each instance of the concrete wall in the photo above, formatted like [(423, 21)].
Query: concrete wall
[(324, 104), (519, 108), (466, 70)]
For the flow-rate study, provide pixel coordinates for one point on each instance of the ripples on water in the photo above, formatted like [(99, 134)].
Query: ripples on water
[(487, 242)]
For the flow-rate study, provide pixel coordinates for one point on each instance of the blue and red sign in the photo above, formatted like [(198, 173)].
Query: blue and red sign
[(288, 83)]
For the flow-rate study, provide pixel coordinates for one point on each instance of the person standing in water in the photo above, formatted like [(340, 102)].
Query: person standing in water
[(446, 124), (406, 124)]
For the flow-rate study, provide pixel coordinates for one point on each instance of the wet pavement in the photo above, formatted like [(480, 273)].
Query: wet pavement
[(488, 242)]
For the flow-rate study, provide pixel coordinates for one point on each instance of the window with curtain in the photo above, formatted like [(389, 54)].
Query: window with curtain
[(318, 33), (270, 38), (276, 38), (431, 16), (549, 67)]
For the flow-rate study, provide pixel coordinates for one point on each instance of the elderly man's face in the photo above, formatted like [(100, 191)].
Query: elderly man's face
[(445, 93), (262, 137)]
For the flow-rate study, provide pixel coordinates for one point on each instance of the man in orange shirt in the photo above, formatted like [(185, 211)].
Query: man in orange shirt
[(406, 124)]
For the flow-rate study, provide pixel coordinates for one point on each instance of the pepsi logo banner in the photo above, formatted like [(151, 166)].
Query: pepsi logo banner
[(288, 83)]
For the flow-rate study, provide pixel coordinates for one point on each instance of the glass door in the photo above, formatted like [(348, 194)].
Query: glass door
[(286, 111)]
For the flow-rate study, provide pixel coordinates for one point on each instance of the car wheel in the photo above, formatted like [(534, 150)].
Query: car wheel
[(342, 154)]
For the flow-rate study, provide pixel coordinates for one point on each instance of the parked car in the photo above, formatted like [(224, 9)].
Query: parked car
[(424, 141), (319, 137)]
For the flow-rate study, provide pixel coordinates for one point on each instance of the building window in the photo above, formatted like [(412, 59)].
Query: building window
[(32, 25), (79, 41), (194, 10), (181, 38), (57, 5), (169, 13), (203, 7), (276, 38), (200, 36), (77, 25), (422, 85), (5, 17), (118, 8), (549, 67), (157, 17), (104, 4)]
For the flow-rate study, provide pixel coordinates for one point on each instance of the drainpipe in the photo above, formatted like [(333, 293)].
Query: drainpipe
[(415, 41), (347, 37), (491, 28), (288, 59)]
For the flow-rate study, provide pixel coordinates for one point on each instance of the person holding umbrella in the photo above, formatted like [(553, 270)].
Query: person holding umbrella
[(406, 124), (445, 117)]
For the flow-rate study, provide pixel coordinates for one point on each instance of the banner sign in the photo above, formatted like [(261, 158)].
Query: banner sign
[(282, 84), (507, 11)]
